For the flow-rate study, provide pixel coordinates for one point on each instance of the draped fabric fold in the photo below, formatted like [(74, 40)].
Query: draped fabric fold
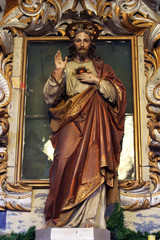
[(87, 134)]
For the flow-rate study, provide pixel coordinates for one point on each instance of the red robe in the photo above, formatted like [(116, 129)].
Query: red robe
[(87, 133)]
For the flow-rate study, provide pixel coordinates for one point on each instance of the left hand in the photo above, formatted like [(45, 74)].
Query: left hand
[(88, 78)]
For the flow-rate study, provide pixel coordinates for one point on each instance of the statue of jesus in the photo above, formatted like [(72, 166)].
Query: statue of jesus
[(87, 104)]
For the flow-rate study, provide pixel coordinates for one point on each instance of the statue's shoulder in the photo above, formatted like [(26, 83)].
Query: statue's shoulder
[(103, 65)]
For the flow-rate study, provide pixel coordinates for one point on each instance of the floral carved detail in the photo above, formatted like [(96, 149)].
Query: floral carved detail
[(33, 17)]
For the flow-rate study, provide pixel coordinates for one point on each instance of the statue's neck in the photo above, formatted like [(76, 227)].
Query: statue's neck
[(81, 59)]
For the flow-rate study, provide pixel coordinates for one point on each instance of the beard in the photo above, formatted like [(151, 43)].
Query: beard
[(82, 54)]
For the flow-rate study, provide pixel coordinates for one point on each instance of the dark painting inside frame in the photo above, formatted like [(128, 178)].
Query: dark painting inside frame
[(39, 65)]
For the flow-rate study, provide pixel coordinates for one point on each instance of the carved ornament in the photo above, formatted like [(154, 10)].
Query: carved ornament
[(113, 18)]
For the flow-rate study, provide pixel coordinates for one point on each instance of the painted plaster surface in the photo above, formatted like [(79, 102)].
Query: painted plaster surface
[(21, 221), (144, 220)]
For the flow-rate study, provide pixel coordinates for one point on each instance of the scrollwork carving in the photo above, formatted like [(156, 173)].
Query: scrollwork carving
[(30, 7), (156, 92), (135, 195), (5, 74), (33, 17), (13, 197), (90, 5), (67, 4), (129, 6)]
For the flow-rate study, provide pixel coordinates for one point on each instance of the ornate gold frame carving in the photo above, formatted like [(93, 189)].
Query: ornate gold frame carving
[(114, 18)]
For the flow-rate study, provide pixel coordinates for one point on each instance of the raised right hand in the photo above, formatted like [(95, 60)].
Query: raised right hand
[(59, 63)]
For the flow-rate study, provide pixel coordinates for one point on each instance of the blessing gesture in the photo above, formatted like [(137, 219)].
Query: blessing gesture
[(59, 63)]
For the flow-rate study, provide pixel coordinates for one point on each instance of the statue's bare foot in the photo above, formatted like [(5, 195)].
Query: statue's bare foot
[(88, 224), (44, 227)]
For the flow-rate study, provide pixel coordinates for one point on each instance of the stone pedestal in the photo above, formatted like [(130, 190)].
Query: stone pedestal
[(73, 234)]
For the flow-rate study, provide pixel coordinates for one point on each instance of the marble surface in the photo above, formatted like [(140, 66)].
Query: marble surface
[(73, 234)]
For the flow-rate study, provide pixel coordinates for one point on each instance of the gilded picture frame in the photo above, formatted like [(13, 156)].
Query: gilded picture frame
[(38, 63)]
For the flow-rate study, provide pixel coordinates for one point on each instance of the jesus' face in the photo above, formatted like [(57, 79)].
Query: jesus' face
[(82, 43)]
